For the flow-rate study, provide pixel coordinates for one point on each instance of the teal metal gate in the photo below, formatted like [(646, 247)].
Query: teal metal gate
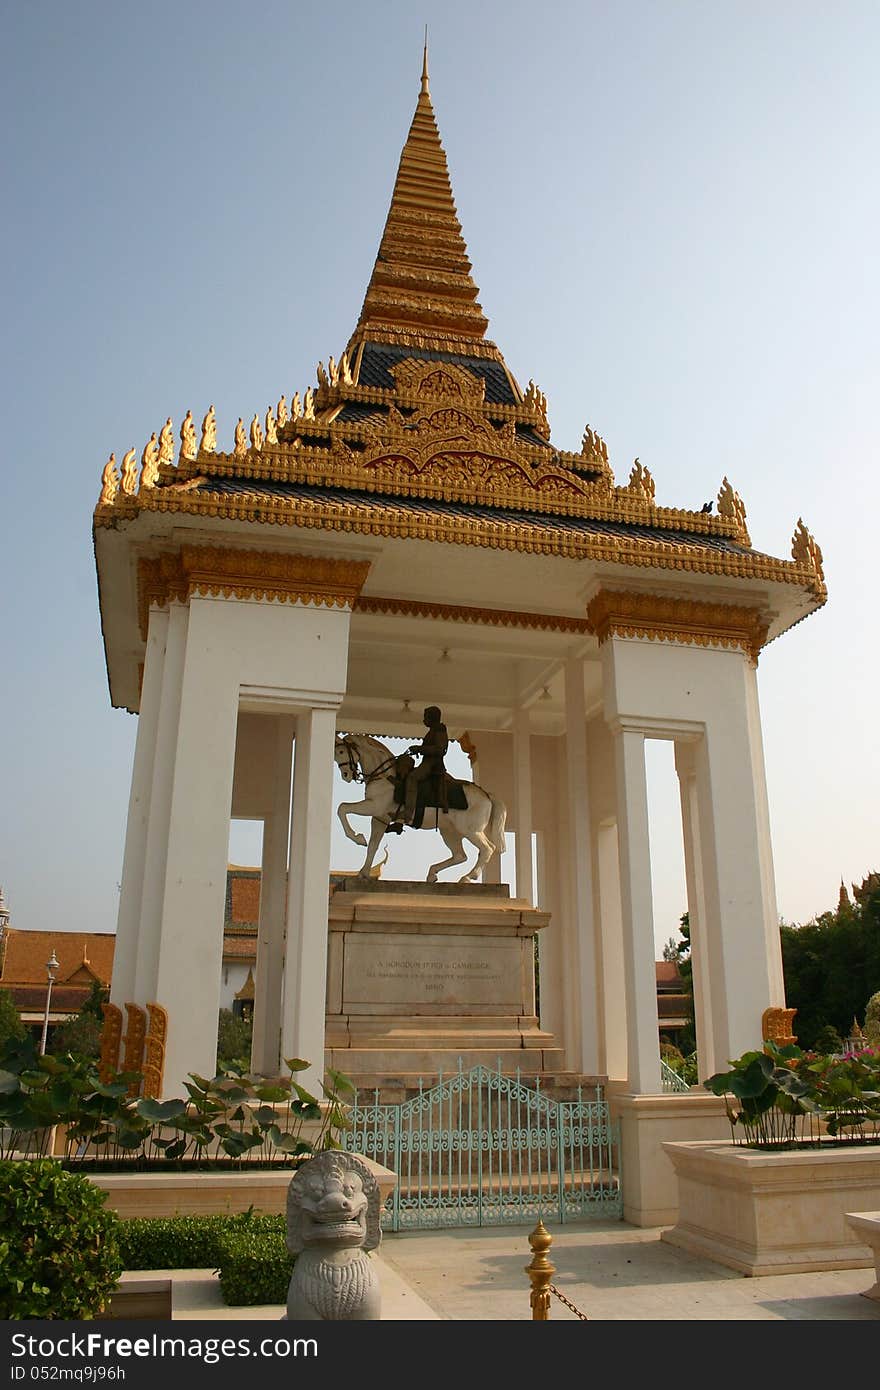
[(483, 1149)]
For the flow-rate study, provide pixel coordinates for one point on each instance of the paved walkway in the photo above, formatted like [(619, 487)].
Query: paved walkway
[(609, 1271)]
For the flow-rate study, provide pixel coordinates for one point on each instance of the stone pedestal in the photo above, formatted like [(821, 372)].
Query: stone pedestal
[(423, 978)]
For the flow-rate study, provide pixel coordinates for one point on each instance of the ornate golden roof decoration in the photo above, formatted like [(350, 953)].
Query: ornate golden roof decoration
[(438, 381), (188, 449), (240, 447), (129, 473), (665, 618), (594, 448), (459, 613), (732, 508), (150, 462), (528, 536), (256, 433), (109, 483), (208, 444), (805, 551), (166, 444), (219, 571), (640, 482)]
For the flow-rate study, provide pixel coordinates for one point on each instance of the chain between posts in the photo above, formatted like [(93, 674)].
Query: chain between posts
[(540, 1272)]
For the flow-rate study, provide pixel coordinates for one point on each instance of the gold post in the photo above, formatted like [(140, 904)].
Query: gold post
[(540, 1271)]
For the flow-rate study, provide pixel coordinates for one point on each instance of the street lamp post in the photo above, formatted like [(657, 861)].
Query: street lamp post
[(51, 967)]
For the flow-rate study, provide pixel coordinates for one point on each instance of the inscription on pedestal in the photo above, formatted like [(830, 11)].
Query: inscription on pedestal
[(424, 970)]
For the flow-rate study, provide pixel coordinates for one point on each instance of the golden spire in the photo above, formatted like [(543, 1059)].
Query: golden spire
[(421, 282)]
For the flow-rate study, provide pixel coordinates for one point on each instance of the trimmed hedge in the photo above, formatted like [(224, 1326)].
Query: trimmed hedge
[(187, 1242), (254, 1267), (248, 1251), (59, 1256)]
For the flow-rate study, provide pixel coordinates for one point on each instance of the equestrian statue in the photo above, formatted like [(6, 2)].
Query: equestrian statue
[(397, 793)]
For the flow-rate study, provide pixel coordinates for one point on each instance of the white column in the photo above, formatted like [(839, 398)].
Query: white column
[(743, 970), (765, 843), (522, 804), (685, 766), (305, 975), (636, 892), (268, 985), (146, 980), (191, 943), (128, 922), (613, 973), (581, 977)]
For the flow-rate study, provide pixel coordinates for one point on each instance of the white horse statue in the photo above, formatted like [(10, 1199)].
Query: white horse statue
[(364, 759)]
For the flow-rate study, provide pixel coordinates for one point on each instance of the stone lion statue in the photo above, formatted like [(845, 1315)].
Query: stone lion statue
[(333, 1220)]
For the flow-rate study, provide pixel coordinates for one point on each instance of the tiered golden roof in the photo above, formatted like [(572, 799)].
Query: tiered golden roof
[(421, 282), (420, 430)]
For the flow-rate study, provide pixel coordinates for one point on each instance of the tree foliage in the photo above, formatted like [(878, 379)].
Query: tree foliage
[(680, 953), (11, 1025), (80, 1035), (233, 1040), (832, 964)]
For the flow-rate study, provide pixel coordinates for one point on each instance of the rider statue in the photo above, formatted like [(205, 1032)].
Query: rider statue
[(433, 750)]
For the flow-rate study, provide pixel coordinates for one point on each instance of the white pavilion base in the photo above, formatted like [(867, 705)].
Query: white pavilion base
[(423, 979), (650, 1189)]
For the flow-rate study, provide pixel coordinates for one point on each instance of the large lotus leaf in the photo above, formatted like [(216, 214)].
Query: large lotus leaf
[(273, 1092), (337, 1084), (230, 1090), (176, 1150), (234, 1145), (745, 1082), (157, 1112), (112, 1088), (129, 1138), (296, 1064), (290, 1144), (9, 1083), (791, 1082), (35, 1080), (303, 1095), (51, 1064)]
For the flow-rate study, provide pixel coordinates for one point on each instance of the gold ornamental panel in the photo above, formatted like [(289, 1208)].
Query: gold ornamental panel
[(667, 619), (246, 574)]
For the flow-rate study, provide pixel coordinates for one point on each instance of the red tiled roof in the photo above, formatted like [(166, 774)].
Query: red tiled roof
[(28, 951)]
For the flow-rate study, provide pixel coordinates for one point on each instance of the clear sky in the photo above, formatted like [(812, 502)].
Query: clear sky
[(672, 211)]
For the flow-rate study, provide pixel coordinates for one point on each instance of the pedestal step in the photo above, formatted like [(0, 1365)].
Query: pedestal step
[(395, 1088)]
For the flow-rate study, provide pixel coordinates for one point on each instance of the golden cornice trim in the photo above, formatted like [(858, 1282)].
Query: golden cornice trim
[(459, 613), (532, 539), (388, 334), (446, 454), (219, 571), (665, 618)]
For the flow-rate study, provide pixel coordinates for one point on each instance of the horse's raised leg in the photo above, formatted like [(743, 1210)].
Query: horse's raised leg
[(452, 841), (346, 808)]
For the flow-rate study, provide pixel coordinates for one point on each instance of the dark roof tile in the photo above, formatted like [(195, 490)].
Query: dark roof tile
[(377, 360)]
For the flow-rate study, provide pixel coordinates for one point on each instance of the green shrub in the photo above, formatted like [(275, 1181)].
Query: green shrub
[(186, 1242), (59, 1253), (254, 1267)]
